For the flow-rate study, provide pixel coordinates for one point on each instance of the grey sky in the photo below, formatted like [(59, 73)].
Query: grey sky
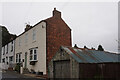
[(92, 23)]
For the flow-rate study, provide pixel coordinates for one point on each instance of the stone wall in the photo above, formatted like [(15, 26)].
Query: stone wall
[(60, 55)]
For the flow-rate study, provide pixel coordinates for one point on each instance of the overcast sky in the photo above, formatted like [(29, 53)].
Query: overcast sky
[(92, 23)]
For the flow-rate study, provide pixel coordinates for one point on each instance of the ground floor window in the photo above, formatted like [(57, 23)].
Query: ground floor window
[(18, 57), (33, 54), (10, 58), (7, 60), (3, 60)]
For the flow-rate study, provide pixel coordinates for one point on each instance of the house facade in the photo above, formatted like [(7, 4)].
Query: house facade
[(36, 46), (31, 48), (8, 52)]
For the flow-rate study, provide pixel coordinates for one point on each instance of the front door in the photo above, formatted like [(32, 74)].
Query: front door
[(26, 60)]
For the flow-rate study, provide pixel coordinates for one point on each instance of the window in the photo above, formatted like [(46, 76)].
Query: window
[(7, 59), (3, 60), (19, 41), (26, 38), (34, 34), (7, 49), (3, 50), (11, 46), (10, 58), (33, 54), (18, 57)]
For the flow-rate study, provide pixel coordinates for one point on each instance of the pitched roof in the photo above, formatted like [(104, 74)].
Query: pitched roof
[(91, 56), (50, 19)]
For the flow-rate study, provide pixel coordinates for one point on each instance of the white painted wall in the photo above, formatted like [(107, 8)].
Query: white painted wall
[(40, 42), (8, 54)]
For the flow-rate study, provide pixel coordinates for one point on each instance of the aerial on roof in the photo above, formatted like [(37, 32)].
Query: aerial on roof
[(91, 56)]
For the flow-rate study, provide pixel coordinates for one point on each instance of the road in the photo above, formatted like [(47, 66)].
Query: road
[(12, 75)]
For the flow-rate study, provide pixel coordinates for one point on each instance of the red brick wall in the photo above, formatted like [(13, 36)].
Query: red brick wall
[(57, 34)]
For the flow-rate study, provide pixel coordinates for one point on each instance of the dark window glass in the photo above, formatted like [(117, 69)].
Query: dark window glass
[(31, 54)]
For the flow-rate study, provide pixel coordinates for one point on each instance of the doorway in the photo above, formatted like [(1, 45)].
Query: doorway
[(26, 60)]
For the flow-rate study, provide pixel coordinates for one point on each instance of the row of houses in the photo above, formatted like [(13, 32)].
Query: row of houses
[(35, 47), (46, 47), (8, 52)]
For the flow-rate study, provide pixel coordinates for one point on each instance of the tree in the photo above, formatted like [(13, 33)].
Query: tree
[(6, 36), (93, 48), (100, 48)]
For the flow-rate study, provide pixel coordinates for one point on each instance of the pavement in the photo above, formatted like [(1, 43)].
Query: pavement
[(12, 75)]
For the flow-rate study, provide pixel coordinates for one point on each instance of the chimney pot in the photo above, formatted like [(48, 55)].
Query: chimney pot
[(54, 8), (56, 13), (75, 46)]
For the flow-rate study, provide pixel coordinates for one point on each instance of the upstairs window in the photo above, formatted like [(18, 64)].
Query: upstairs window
[(7, 49), (11, 46), (34, 34), (33, 54), (3, 50), (19, 41), (26, 37)]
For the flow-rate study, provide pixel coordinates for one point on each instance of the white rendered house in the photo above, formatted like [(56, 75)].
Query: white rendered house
[(8, 55)]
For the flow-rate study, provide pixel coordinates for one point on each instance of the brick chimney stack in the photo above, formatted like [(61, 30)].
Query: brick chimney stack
[(56, 13), (27, 27)]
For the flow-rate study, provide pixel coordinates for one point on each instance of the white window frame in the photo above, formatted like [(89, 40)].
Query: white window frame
[(11, 46), (11, 59), (7, 49), (7, 59), (33, 54), (4, 50), (18, 57)]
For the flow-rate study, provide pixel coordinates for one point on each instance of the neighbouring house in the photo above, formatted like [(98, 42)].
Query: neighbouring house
[(5, 37), (36, 46), (8, 52), (0, 42), (71, 62)]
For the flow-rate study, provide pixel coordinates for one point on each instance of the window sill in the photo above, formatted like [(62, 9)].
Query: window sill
[(34, 41), (33, 60)]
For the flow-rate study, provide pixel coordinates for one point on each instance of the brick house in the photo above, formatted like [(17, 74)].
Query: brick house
[(36, 46)]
